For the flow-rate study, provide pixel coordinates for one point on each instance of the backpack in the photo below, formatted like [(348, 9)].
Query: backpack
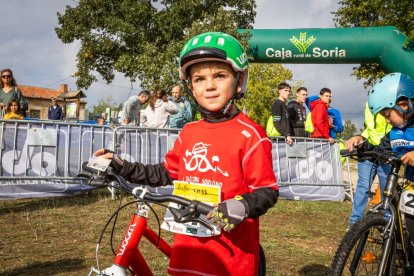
[(270, 128), (308, 124)]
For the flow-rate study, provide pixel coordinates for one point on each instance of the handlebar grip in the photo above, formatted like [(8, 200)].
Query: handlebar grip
[(203, 208), (88, 169), (346, 152)]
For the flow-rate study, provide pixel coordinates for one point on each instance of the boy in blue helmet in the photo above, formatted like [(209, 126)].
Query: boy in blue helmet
[(393, 98)]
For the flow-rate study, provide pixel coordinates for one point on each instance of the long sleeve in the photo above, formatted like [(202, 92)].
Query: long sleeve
[(319, 117), (338, 126), (260, 200), (279, 118), (171, 108), (61, 113), (187, 113), (151, 175)]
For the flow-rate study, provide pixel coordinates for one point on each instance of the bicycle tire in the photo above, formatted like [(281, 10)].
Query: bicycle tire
[(262, 261), (366, 233)]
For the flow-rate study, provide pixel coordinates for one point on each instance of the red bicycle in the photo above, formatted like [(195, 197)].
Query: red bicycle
[(128, 257)]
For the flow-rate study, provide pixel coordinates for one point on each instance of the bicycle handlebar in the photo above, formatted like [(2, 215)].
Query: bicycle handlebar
[(142, 192), (386, 156)]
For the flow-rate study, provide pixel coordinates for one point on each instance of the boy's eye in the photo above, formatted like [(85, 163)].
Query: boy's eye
[(220, 75), (197, 79)]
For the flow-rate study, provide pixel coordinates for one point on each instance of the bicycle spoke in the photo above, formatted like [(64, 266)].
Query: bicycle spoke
[(364, 258)]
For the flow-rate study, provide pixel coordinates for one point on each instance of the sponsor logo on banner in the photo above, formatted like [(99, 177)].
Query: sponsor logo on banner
[(303, 44)]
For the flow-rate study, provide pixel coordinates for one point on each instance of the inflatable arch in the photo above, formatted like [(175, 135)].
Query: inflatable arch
[(382, 45)]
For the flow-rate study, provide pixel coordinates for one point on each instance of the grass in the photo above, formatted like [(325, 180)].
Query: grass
[(57, 236)]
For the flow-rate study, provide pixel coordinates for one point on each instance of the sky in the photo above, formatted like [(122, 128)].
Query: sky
[(30, 47)]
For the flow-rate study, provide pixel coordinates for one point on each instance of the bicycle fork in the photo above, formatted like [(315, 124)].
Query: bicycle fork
[(128, 254)]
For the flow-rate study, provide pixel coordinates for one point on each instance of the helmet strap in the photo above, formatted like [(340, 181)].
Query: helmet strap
[(405, 112)]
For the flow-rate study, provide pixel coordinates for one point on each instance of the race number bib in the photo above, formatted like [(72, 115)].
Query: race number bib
[(407, 201), (193, 191)]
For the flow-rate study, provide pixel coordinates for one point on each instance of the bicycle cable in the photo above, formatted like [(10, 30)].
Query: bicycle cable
[(115, 216)]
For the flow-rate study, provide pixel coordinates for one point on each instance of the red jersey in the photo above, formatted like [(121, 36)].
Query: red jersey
[(235, 155)]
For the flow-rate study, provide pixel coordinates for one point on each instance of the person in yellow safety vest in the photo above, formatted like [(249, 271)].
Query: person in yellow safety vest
[(376, 127)]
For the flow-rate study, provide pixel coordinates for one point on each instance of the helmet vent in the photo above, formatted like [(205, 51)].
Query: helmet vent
[(220, 41), (195, 41), (207, 39)]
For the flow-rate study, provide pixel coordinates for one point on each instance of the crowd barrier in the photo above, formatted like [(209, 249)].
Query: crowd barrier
[(41, 158)]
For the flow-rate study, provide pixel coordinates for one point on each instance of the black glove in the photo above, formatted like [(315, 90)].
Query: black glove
[(229, 213)]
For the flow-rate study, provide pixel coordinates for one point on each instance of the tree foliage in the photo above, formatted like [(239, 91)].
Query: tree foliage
[(107, 102), (370, 13), (143, 38), (349, 130), (262, 90)]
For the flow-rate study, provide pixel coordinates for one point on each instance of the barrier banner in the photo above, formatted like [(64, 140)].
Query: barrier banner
[(308, 170), (41, 160)]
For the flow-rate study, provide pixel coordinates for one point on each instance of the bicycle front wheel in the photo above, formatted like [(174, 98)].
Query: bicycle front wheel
[(361, 249)]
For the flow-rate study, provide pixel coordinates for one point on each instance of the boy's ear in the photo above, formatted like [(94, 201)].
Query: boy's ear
[(239, 84), (403, 104)]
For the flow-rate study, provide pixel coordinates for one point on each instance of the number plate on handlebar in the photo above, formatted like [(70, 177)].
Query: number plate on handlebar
[(99, 163), (194, 191), (407, 200)]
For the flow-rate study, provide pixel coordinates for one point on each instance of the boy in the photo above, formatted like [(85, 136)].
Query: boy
[(320, 118), (393, 98), (225, 148), (280, 113), (297, 113)]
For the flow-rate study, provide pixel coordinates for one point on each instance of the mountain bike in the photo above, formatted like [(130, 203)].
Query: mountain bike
[(379, 243), (129, 257)]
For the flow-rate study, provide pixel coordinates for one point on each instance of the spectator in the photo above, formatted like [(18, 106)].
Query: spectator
[(376, 127), (13, 111), (297, 113), (100, 121), (9, 91), (132, 108), (280, 114), (55, 111), (184, 114), (320, 119), (335, 122), (156, 114)]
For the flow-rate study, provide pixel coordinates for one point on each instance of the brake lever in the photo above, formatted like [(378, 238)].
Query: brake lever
[(200, 221), (188, 215)]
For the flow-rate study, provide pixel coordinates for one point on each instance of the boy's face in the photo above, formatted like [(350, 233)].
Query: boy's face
[(284, 93), (213, 84), (395, 117), (301, 96), (326, 98)]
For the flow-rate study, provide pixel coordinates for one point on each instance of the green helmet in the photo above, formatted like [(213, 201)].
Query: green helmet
[(214, 46)]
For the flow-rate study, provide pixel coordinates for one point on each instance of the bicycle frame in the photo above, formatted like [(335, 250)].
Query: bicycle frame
[(128, 254)]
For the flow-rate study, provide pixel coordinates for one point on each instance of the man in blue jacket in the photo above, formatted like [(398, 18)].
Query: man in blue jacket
[(335, 122), (55, 111), (184, 114)]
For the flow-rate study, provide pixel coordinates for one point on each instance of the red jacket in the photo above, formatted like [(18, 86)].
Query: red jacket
[(320, 119)]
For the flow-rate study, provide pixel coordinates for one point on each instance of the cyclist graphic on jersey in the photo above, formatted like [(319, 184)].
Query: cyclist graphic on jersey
[(199, 160)]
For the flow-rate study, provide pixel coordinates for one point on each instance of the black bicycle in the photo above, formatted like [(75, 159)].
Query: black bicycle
[(379, 243)]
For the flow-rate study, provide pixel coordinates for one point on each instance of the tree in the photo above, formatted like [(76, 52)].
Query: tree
[(369, 13), (349, 130), (107, 102), (262, 90), (142, 39)]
